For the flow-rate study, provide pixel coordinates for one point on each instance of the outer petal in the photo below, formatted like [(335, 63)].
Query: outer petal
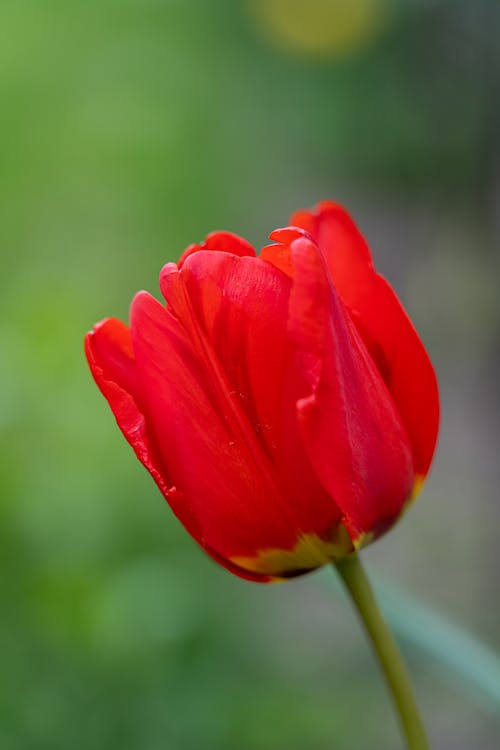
[(202, 437), (109, 353), (382, 323), (108, 348), (351, 429)]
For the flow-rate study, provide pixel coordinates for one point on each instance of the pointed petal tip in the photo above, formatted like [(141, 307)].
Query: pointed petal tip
[(106, 333), (168, 269), (328, 205), (219, 241), (320, 209), (228, 242), (287, 235), (97, 327), (139, 301)]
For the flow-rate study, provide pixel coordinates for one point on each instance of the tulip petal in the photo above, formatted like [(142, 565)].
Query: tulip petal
[(111, 359), (351, 429), (108, 348), (383, 325), (220, 241)]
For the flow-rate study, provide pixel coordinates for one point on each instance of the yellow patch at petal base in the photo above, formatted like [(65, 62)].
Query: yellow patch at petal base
[(311, 551), (363, 540), (366, 538), (417, 486)]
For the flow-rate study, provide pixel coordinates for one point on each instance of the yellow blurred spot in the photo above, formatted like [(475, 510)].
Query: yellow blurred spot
[(320, 28), (310, 552)]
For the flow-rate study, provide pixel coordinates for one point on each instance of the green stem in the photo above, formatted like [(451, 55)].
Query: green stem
[(356, 582)]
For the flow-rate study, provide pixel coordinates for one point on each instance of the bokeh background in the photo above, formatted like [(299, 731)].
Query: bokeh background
[(128, 129)]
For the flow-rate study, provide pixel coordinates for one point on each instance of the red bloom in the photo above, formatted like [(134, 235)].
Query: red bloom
[(284, 404)]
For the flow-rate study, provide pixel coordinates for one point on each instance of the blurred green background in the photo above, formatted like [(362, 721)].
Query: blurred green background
[(128, 129)]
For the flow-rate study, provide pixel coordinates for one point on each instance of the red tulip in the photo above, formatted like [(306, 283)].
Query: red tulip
[(284, 404)]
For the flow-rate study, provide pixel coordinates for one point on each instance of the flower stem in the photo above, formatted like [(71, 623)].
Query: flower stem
[(357, 584)]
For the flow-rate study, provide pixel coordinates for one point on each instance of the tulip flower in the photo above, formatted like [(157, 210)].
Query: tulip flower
[(283, 403)]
